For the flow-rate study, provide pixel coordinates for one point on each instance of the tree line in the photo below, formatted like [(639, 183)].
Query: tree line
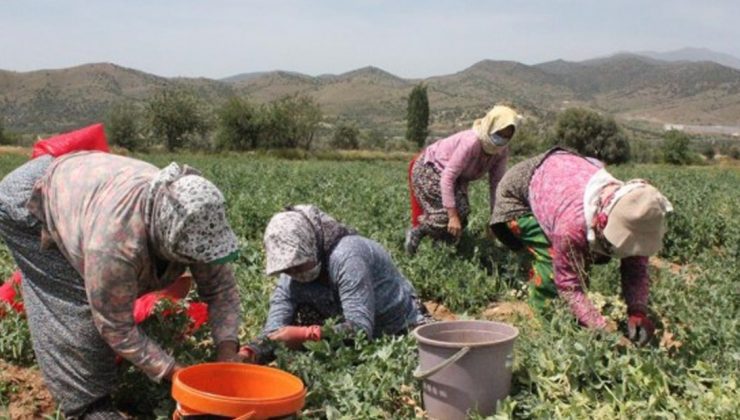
[(176, 118)]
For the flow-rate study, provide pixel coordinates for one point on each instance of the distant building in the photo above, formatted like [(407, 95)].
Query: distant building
[(669, 127)]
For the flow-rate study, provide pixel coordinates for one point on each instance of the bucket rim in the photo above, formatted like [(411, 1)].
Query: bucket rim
[(514, 333), (181, 388)]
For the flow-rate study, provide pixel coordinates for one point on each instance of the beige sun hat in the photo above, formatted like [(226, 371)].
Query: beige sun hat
[(636, 222)]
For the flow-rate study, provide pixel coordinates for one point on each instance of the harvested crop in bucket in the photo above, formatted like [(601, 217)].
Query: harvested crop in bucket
[(465, 366)]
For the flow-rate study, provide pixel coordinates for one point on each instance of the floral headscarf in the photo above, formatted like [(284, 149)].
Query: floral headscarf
[(187, 217), (301, 234)]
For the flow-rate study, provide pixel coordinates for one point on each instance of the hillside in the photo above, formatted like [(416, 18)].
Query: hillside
[(628, 85), (694, 54), (56, 100)]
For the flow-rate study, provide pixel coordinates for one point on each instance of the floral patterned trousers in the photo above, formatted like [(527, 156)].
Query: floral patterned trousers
[(541, 275)]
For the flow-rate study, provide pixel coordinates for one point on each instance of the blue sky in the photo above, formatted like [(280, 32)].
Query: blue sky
[(219, 38)]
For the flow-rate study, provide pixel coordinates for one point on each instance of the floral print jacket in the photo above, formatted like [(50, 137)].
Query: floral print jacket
[(92, 208)]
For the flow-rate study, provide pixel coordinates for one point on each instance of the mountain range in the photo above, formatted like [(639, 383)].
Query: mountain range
[(634, 87)]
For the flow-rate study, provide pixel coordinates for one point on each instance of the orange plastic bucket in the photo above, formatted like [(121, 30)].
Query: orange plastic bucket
[(237, 390)]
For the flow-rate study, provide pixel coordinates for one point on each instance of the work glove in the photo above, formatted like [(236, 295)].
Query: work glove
[(248, 354), (294, 337), (259, 351), (640, 328)]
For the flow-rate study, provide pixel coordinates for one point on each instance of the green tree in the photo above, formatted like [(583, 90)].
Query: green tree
[(123, 126), (305, 115), (175, 114), (345, 137), (4, 138), (275, 132), (644, 150), (592, 135), (707, 149), (239, 125), (417, 115), (372, 139), (290, 122), (676, 148), (734, 152), (528, 140)]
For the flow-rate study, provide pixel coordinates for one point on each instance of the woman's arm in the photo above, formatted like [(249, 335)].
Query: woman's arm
[(110, 283), (217, 287), (635, 284), (460, 159), (282, 307), (569, 267), (495, 174), (357, 297)]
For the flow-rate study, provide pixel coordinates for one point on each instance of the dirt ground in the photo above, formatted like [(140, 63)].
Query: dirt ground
[(689, 272), (497, 311), (25, 392), (15, 150), (507, 311), (439, 311)]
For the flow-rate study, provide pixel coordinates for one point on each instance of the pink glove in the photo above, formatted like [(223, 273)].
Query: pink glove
[(294, 337)]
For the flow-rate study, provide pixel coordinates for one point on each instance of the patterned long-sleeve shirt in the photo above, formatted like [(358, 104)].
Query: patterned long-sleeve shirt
[(461, 159), (364, 287), (556, 196), (92, 206)]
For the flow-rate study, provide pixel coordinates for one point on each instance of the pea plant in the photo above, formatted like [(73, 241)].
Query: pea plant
[(561, 370)]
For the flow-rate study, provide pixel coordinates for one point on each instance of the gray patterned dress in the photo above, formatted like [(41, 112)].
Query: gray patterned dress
[(77, 227)]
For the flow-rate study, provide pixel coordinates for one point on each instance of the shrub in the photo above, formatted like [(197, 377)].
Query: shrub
[(290, 122), (239, 125), (707, 150), (592, 135), (676, 148), (175, 114), (123, 127), (528, 140), (734, 152), (345, 137), (372, 139), (4, 139)]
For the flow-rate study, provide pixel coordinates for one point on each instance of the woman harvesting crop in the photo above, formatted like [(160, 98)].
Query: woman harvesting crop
[(91, 232), (439, 176), (327, 270), (568, 212)]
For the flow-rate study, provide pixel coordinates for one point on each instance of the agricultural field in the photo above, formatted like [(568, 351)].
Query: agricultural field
[(560, 370)]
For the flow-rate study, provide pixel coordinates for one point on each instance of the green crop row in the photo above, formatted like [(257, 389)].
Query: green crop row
[(560, 369)]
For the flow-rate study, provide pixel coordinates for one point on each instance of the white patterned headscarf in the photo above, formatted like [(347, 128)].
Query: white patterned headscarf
[(301, 234), (187, 217)]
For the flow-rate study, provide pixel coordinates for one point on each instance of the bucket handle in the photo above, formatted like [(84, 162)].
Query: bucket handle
[(424, 374), (179, 416)]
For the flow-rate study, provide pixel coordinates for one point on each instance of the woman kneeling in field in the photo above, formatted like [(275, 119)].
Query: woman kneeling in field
[(439, 176), (91, 232), (328, 271), (567, 211)]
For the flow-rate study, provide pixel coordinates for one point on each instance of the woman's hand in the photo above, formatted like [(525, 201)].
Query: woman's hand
[(454, 226), (640, 329), (294, 337), (228, 351), (172, 371)]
